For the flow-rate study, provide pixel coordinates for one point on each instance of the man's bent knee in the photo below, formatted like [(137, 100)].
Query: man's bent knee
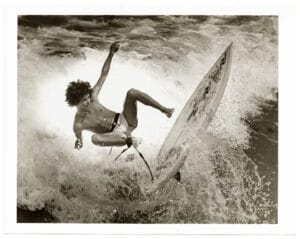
[(132, 92), (96, 140)]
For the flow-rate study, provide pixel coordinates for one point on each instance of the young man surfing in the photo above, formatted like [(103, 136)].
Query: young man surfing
[(110, 128)]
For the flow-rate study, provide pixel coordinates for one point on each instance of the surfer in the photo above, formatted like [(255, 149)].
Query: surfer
[(109, 128)]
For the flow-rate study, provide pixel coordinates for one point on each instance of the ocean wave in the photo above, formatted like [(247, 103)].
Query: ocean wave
[(165, 56)]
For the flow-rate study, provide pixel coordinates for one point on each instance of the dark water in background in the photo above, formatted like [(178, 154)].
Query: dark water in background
[(264, 147), (232, 176)]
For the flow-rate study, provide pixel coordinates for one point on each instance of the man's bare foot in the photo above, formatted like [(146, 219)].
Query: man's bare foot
[(169, 112)]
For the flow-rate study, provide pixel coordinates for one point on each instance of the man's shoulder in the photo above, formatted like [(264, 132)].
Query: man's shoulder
[(80, 114)]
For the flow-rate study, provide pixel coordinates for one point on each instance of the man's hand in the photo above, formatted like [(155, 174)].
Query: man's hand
[(78, 144), (114, 47)]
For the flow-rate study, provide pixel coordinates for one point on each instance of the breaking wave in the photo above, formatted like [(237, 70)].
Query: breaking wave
[(166, 57)]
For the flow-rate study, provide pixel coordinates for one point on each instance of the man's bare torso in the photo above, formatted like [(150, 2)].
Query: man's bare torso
[(95, 118)]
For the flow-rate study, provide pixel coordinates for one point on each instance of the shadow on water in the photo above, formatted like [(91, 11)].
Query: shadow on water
[(264, 147), (37, 216)]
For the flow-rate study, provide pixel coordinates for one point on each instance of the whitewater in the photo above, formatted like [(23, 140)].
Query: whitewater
[(166, 57)]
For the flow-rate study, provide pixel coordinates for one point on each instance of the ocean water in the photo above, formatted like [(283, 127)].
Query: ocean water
[(227, 179)]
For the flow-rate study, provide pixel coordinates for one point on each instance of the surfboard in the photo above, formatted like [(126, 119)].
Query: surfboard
[(195, 117)]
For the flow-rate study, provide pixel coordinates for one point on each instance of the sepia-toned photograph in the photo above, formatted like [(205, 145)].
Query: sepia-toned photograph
[(147, 119)]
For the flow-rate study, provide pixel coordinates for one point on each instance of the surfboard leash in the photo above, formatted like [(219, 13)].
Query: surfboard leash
[(123, 151), (145, 161), (129, 144)]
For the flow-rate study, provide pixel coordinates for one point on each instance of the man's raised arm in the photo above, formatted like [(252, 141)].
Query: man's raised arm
[(105, 69)]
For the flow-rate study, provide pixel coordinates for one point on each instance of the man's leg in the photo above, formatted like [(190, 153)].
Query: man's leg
[(115, 139), (130, 106), (109, 139)]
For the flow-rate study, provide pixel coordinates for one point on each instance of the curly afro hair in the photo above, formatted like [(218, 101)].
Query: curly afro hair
[(76, 90)]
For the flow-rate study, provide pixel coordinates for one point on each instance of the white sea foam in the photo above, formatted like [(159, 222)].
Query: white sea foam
[(70, 184)]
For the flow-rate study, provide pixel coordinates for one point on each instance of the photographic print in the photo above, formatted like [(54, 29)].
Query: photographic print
[(148, 119)]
